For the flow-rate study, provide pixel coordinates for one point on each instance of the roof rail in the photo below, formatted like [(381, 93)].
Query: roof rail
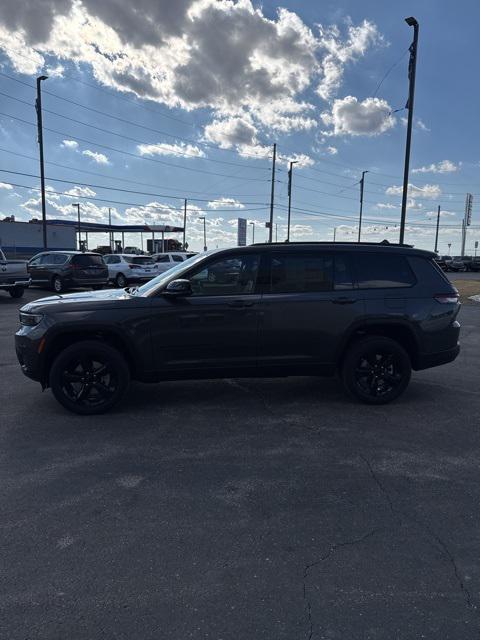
[(330, 242)]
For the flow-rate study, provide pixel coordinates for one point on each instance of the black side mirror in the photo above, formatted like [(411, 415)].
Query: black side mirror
[(178, 287)]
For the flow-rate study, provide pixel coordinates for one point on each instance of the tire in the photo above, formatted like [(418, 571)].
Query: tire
[(89, 377), (16, 292), (376, 370), (57, 284), (121, 281)]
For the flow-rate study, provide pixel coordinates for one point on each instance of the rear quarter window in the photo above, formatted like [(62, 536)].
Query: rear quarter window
[(382, 271), (88, 260), (427, 271)]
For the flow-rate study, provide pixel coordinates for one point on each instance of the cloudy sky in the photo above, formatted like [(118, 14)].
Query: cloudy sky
[(154, 101)]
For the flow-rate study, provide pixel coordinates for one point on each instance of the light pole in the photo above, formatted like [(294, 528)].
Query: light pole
[(436, 233), (253, 231), (38, 108), (184, 224), (76, 204), (272, 193), (335, 234), (204, 232), (362, 184), (412, 66), (290, 173)]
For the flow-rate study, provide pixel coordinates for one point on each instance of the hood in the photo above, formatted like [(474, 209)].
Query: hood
[(80, 298)]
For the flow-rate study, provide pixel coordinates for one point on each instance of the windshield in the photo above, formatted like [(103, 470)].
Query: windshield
[(172, 274)]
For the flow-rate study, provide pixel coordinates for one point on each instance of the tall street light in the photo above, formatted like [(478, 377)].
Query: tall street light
[(412, 66), (38, 108), (290, 173), (253, 231), (76, 204), (204, 232), (362, 184)]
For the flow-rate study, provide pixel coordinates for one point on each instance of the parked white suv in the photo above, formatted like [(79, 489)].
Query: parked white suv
[(166, 261), (125, 268)]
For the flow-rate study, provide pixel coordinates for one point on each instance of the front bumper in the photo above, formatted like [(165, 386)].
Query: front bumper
[(29, 356), (429, 360)]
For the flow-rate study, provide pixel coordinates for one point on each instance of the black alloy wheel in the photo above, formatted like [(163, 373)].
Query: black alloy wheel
[(376, 370), (89, 377)]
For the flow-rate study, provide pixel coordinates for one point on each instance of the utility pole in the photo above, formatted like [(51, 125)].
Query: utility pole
[(272, 195), (76, 204), (204, 232), (362, 183), (38, 108), (436, 233), (184, 224), (335, 234), (412, 66), (253, 232), (290, 173), (110, 237)]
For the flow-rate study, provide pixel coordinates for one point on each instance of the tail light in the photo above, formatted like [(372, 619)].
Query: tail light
[(447, 298)]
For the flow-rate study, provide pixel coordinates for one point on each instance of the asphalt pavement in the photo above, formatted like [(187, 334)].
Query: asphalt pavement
[(242, 509)]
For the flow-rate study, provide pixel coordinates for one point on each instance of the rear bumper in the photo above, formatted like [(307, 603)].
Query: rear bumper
[(10, 283), (428, 360)]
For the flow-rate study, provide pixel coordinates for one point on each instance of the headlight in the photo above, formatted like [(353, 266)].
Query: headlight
[(30, 319)]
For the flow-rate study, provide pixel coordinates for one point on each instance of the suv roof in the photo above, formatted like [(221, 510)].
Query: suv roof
[(349, 246)]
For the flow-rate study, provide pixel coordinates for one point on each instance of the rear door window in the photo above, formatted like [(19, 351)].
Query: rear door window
[(177, 258), (144, 260), (301, 272), (59, 258), (382, 271), (88, 260)]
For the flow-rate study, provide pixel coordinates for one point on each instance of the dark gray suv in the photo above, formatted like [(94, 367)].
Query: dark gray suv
[(61, 270), (369, 312)]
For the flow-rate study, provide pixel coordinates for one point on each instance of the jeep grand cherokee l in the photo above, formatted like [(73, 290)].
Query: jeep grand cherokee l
[(369, 312)]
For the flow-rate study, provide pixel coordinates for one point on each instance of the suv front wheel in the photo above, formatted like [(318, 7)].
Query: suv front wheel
[(376, 370), (89, 377)]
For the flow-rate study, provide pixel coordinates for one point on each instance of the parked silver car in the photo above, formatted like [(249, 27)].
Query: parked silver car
[(125, 269)]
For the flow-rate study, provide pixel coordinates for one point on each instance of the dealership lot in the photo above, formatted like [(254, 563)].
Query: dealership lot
[(242, 509)]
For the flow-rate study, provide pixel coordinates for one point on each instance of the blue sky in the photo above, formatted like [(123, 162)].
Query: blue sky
[(185, 100)]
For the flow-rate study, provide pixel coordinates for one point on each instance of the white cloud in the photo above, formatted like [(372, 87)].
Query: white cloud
[(444, 214), (332, 150), (445, 166), (223, 55), (223, 203), (182, 150), (340, 52), (6, 186), (99, 158), (385, 205), (430, 191), (81, 191), (230, 132), (348, 116), (69, 144)]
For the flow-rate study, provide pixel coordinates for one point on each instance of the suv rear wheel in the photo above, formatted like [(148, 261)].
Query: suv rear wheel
[(57, 284), (16, 292), (89, 377), (121, 281), (376, 370)]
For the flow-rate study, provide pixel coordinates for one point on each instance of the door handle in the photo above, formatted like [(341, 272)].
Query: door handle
[(240, 304), (344, 300)]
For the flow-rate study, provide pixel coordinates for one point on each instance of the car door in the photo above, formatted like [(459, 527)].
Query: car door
[(42, 270), (309, 302), (33, 268), (217, 326)]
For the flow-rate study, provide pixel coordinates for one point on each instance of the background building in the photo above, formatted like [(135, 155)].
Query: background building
[(25, 239)]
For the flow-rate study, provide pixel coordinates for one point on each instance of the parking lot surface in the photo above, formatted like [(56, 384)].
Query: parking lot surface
[(242, 509)]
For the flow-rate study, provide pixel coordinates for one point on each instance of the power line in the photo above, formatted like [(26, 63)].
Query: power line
[(136, 140), (128, 153), (135, 124), (100, 186), (130, 204), (142, 184)]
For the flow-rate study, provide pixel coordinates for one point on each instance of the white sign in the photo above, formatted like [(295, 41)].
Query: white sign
[(242, 232)]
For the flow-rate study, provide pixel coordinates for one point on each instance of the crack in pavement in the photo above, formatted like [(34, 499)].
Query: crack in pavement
[(333, 548), (426, 530)]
